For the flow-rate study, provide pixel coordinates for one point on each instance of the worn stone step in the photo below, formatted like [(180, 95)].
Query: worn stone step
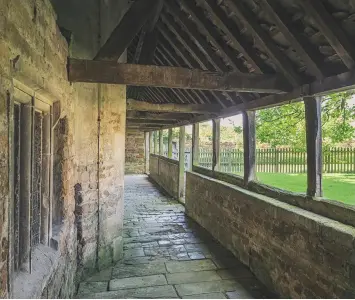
[(123, 271), (190, 266), (207, 287), (206, 296), (189, 277)]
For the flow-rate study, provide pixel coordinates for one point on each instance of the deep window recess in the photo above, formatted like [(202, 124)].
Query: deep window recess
[(32, 173)]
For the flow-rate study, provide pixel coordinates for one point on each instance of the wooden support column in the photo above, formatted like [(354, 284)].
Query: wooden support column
[(147, 151), (249, 137), (161, 144), (314, 145), (155, 142), (195, 145), (46, 167), (26, 183), (170, 143), (182, 162), (216, 138), (151, 142)]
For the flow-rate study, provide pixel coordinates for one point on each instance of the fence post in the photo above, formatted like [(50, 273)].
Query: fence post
[(182, 162), (170, 143), (216, 136), (314, 145), (249, 146)]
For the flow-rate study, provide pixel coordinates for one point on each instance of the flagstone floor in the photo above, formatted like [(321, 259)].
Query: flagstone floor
[(167, 255)]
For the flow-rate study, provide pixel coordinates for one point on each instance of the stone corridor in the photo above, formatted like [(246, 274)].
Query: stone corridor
[(167, 255)]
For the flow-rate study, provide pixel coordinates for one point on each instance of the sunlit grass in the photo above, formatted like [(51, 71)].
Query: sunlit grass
[(339, 187)]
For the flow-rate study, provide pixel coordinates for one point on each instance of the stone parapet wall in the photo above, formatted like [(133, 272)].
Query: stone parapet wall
[(135, 152), (165, 172), (297, 253)]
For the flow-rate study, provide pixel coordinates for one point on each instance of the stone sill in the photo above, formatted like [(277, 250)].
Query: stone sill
[(169, 160), (44, 262)]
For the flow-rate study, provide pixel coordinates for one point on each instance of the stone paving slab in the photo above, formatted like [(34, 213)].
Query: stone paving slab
[(156, 292), (206, 296), (187, 266), (207, 287), (123, 271), (92, 287), (137, 282), (178, 278)]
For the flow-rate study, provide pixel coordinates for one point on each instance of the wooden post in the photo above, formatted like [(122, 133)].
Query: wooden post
[(314, 145), (155, 142), (147, 151), (182, 162), (170, 143), (216, 138), (195, 144), (249, 146), (161, 144), (151, 142)]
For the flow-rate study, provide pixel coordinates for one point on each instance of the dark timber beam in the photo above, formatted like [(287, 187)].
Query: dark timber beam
[(136, 16), (141, 115), (331, 30), (249, 138), (148, 39), (177, 108), (150, 122), (171, 77), (303, 47), (314, 146), (281, 61), (216, 140)]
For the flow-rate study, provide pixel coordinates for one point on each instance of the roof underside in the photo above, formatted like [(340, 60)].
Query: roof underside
[(250, 36)]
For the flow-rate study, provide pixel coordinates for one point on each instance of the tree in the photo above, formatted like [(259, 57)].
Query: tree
[(285, 125)]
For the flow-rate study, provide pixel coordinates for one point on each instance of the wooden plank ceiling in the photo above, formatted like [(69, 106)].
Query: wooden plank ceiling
[(305, 41)]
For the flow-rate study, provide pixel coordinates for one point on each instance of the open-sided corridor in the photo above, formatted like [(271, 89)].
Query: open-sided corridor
[(166, 255)]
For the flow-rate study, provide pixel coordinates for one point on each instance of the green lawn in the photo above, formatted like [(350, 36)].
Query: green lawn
[(339, 187)]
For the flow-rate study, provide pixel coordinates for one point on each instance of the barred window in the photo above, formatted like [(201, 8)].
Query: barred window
[(32, 172)]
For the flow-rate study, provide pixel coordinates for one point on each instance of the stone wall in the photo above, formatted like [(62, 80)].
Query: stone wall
[(135, 152), (165, 172), (297, 253), (89, 162)]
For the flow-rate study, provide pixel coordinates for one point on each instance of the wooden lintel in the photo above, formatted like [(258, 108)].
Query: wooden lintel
[(143, 115), (178, 108), (150, 122), (171, 77)]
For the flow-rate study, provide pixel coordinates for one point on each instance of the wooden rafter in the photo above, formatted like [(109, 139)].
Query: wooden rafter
[(331, 30), (308, 53), (131, 23), (282, 62)]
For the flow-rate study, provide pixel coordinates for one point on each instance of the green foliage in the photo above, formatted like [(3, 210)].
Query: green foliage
[(285, 125)]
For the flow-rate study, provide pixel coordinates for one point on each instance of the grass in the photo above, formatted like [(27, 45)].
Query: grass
[(339, 187)]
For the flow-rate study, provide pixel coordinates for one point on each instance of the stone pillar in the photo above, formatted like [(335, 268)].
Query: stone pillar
[(112, 108), (314, 145), (161, 144), (182, 162)]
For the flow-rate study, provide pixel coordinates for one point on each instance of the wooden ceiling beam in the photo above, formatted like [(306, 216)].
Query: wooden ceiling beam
[(303, 47), (177, 108), (150, 122), (282, 62), (142, 115), (171, 77), (331, 30), (131, 23)]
